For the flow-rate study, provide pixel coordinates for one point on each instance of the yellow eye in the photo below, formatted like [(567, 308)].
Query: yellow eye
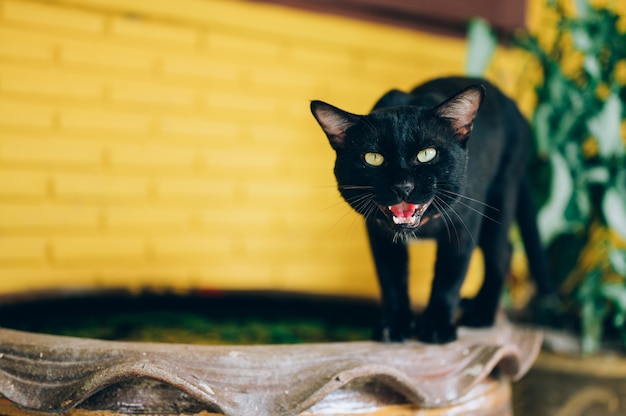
[(374, 159), (426, 155)]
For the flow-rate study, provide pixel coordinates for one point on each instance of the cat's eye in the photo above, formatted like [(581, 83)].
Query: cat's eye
[(426, 155), (374, 159)]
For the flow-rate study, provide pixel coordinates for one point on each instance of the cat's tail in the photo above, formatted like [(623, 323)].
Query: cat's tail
[(527, 222)]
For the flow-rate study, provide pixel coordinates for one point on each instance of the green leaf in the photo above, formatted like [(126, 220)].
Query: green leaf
[(557, 86), (605, 127), (614, 210), (552, 215), (592, 316), (597, 176), (593, 311), (593, 67), (583, 8), (541, 124), (583, 205), (616, 293), (481, 44), (618, 261), (581, 37)]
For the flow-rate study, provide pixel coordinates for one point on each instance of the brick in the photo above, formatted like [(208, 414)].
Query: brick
[(17, 44), (247, 46), (277, 247), (202, 248), (243, 275), (13, 114), (67, 250), (53, 16), (202, 68), (335, 59), (33, 82), (324, 222), (107, 57), (126, 92), (238, 163), (103, 121), (50, 152), (277, 193), (46, 216), (296, 110), (152, 157), (23, 185), (77, 187), (316, 275), (22, 250), (262, 106), (230, 219), (213, 131), (274, 134), (31, 279), (159, 33), (392, 73), (140, 277), (194, 189), (146, 217), (291, 81)]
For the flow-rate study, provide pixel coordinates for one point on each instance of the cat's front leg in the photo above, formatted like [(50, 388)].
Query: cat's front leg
[(392, 266), (437, 323)]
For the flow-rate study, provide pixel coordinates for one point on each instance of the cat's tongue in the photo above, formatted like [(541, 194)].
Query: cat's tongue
[(404, 213)]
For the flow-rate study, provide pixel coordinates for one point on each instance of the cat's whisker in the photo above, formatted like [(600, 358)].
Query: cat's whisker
[(443, 217), (361, 201), (479, 212), (335, 205), (341, 218), (447, 191), (350, 187), (370, 209), (364, 205), (461, 220), (354, 201), (450, 210), (482, 214), (446, 218)]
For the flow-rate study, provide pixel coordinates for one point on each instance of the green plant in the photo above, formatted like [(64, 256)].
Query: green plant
[(579, 168)]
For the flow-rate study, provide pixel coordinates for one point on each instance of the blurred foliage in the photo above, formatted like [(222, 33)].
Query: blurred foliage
[(580, 149), (579, 168)]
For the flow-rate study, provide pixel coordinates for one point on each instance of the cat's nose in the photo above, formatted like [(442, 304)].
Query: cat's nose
[(403, 189)]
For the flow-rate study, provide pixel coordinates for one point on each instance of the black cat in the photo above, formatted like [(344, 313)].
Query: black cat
[(410, 169)]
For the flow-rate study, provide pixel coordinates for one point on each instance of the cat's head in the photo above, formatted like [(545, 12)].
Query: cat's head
[(401, 165)]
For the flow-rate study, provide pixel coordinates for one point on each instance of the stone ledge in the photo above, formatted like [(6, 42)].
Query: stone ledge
[(54, 374)]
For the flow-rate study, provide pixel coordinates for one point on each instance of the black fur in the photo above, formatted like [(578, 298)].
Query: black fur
[(467, 195)]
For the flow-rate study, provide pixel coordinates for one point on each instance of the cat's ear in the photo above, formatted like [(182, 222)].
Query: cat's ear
[(460, 110), (333, 121)]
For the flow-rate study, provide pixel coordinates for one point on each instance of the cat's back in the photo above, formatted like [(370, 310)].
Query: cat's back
[(501, 135), (498, 118), (496, 108)]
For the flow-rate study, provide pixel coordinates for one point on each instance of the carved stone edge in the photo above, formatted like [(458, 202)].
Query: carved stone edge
[(55, 373)]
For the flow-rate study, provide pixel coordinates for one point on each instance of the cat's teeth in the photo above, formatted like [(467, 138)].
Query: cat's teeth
[(405, 220)]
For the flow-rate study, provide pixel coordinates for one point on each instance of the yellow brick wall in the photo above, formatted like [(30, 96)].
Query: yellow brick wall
[(164, 143)]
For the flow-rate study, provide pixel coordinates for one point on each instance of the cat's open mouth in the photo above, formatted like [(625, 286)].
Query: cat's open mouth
[(406, 214)]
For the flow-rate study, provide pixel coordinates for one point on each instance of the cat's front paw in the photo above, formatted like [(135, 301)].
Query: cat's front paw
[(396, 331), (436, 332), (475, 315)]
